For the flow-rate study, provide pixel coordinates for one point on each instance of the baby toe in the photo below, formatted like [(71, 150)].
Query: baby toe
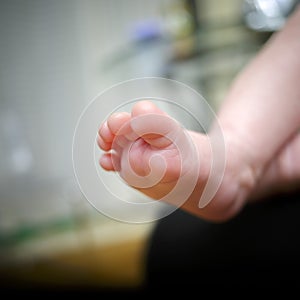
[(105, 133), (110, 162), (118, 123), (106, 146)]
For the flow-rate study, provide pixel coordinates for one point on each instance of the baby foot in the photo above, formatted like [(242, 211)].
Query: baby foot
[(150, 150)]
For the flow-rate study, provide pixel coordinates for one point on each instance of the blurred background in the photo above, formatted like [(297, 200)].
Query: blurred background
[(55, 57)]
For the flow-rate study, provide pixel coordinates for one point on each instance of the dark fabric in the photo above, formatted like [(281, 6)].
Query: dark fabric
[(260, 247)]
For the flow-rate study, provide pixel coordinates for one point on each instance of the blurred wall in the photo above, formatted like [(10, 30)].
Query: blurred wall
[(51, 54)]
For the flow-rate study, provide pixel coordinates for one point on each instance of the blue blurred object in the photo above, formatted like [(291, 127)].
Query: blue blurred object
[(146, 30)]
